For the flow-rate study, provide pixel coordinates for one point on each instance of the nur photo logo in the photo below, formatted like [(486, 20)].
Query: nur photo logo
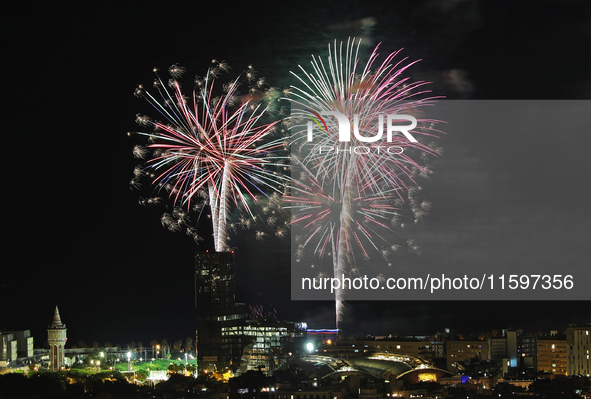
[(344, 132)]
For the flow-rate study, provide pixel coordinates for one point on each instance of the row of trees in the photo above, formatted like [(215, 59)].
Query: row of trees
[(164, 346), (180, 368)]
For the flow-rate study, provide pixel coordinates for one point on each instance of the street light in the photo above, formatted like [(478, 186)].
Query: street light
[(157, 350), (310, 346), (129, 360)]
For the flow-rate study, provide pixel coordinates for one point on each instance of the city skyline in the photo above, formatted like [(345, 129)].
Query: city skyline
[(79, 239)]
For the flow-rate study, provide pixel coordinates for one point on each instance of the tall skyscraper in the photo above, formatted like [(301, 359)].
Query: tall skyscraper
[(216, 309), (56, 336)]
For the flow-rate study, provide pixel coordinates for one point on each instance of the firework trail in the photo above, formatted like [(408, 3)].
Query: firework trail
[(347, 192), (213, 147), (260, 312)]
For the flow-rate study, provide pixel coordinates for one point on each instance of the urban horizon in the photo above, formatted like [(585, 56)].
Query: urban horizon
[(91, 229)]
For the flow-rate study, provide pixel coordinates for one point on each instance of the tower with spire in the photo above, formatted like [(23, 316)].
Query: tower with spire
[(56, 336)]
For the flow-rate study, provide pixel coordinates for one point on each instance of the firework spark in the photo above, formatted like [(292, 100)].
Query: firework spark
[(344, 196), (214, 143)]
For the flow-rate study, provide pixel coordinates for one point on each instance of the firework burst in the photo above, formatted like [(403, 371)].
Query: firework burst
[(346, 193), (215, 144)]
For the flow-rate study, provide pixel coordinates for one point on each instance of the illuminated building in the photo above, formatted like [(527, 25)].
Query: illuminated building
[(323, 336), (15, 345), (265, 342), (216, 310), (8, 349), (225, 339), (552, 354), (56, 337), (527, 350), (515, 350), (24, 343), (410, 346), (375, 377), (464, 351), (578, 347)]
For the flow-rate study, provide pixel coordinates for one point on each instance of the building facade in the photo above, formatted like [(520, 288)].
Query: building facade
[(8, 349), (226, 340), (578, 347), (216, 310), (56, 337), (398, 346), (464, 351), (552, 355), (266, 343), (24, 343), (515, 350)]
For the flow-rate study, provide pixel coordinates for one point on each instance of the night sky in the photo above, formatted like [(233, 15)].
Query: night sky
[(75, 235)]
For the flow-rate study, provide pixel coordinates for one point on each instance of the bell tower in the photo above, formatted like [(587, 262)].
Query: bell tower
[(56, 336)]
